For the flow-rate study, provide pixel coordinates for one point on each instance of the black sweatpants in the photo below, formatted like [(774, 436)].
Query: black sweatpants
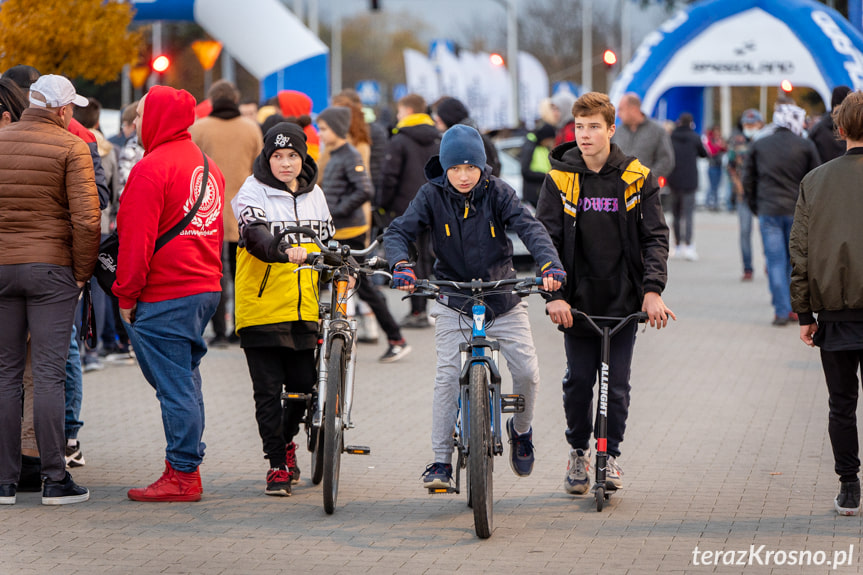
[(274, 370), (582, 365), (840, 370)]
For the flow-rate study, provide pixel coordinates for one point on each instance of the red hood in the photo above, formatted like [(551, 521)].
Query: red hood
[(293, 103), (79, 130), (168, 113)]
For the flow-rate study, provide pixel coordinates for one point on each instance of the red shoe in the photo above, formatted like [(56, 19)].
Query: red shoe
[(291, 462), (793, 316), (172, 486)]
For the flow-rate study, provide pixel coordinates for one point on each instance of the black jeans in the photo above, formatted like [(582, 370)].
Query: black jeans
[(229, 272), (582, 366), (273, 370), (370, 294), (840, 370)]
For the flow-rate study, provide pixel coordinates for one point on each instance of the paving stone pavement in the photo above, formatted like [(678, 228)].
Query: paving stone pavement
[(726, 449)]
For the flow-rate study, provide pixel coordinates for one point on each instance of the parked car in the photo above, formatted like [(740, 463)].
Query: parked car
[(508, 151)]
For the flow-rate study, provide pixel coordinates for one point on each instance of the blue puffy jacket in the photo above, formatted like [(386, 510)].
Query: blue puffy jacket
[(469, 233)]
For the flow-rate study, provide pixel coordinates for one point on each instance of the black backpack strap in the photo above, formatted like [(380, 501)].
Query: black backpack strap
[(181, 225)]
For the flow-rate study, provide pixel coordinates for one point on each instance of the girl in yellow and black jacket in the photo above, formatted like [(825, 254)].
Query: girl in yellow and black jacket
[(276, 306)]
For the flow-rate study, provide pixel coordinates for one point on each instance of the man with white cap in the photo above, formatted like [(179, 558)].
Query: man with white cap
[(50, 209)]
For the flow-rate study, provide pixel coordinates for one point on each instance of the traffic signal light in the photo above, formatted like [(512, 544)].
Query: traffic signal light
[(786, 86), (160, 64), (496, 60), (609, 58)]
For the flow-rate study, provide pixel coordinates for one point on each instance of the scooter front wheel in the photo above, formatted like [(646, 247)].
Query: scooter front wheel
[(599, 493)]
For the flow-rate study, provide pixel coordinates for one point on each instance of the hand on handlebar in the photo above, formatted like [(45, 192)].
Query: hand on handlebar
[(657, 312), (404, 277), (553, 279), (559, 312), (296, 255)]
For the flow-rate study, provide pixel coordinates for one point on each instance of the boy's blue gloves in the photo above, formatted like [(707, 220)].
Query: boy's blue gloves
[(556, 274), (404, 276)]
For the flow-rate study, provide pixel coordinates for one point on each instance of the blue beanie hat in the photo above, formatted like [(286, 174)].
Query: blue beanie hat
[(462, 145)]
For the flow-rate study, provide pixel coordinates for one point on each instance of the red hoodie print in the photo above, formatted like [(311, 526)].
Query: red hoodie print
[(160, 191)]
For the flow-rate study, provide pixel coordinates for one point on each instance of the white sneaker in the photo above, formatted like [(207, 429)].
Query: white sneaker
[(613, 473), (690, 254), (577, 480)]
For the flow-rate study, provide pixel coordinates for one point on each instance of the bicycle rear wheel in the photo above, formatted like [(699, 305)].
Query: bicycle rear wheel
[(480, 463), (333, 437)]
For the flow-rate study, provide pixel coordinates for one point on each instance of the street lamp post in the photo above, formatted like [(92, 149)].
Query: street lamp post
[(512, 55), (586, 45)]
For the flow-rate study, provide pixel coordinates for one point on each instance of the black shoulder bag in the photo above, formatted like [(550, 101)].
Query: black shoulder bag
[(106, 264)]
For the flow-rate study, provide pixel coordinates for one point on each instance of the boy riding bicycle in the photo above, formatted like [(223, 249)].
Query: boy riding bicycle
[(616, 260), (468, 212)]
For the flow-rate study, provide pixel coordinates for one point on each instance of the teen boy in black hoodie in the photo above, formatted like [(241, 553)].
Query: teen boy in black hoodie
[(602, 211)]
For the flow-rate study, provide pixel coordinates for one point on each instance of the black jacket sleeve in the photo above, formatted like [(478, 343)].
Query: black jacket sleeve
[(653, 238), (358, 189), (549, 212), (404, 229), (391, 171), (261, 243)]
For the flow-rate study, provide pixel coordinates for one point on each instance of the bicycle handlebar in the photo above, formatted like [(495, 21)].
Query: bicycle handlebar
[(430, 288)]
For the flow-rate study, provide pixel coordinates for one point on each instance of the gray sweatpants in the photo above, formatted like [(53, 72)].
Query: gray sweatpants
[(512, 330)]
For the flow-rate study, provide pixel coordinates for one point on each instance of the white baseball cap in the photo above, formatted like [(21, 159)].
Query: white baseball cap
[(58, 91)]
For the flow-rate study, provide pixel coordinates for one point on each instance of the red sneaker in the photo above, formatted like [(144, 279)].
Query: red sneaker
[(172, 486), (793, 316), (291, 462)]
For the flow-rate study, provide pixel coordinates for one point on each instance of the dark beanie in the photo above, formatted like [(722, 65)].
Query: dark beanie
[(338, 118), (544, 132), (284, 135), (451, 111), (462, 145), (839, 93)]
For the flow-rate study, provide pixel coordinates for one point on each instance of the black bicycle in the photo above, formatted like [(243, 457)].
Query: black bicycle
[(328, 407), (477, 434), (610, 326)]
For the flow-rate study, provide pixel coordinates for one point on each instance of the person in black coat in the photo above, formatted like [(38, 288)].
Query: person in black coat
[(823, 133), (683, 181)]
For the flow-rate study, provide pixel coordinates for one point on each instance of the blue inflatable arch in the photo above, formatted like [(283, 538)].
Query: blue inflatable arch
[(743, 43), (262, 35)]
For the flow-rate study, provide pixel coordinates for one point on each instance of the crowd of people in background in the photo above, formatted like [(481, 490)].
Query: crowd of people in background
[(253, 167)]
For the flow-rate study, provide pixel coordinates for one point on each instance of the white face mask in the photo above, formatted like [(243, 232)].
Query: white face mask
[(749, 132)]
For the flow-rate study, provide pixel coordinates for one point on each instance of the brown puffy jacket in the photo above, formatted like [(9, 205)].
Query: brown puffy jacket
[(49, 206)]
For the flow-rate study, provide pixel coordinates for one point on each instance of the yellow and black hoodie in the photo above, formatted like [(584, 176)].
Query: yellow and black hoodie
[(276, 306), (608, 228)]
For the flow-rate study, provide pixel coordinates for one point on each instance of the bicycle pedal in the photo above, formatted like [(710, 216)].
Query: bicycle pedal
[(511, 403), (297, 396), (357, 449), (437, 490)]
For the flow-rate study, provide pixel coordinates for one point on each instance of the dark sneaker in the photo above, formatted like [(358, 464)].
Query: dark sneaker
[(395, 352), (233, 339), (74, 456), (63, 492), (848, 500), (278, 483), (577, 480), (521, 453), (291, 462), (780, 321), (437, 476), (218, 341), (7, 494), (415, 321), (30, 478)]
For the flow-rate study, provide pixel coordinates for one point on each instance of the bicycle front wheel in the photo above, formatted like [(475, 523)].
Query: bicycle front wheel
[(480, 453), (333, 411)]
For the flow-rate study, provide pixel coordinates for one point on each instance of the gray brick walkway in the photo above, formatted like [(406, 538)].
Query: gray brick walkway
[(727, 447)]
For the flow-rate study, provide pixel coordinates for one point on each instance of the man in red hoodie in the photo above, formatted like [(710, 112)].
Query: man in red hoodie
[(168, 297)]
